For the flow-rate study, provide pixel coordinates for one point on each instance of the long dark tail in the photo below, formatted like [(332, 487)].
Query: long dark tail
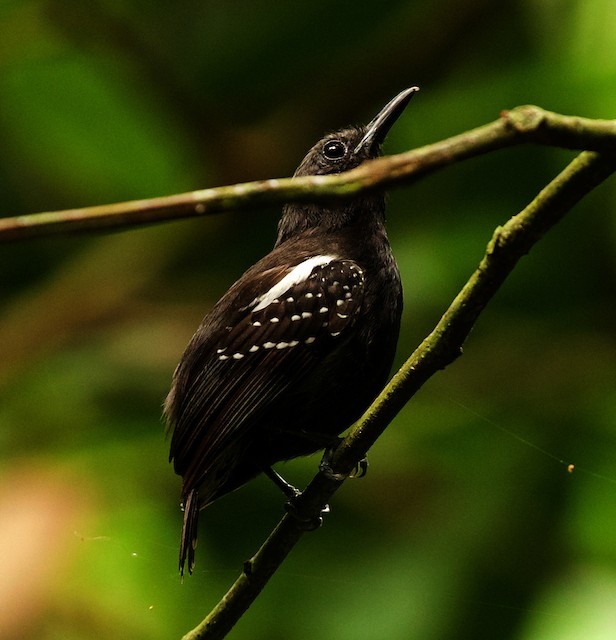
[(188, 543)]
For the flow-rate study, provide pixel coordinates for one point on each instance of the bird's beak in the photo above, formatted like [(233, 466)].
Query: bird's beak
[(382, 123)]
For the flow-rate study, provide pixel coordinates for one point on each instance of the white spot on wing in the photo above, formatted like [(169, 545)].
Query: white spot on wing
[(299, 273)]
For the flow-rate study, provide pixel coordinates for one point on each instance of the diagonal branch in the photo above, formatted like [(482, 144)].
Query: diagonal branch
[(520, 125), (508, 244)]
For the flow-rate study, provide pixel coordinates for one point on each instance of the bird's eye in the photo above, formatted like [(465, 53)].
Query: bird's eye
[(334, 150)]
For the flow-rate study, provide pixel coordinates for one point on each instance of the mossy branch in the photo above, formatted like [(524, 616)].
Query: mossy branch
[(508, 244), (517, 126)]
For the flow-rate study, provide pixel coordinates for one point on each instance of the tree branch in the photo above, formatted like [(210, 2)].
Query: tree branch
[(508, 244), (520, 125)]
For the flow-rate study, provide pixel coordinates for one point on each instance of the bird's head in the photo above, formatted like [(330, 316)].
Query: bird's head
[(346, 149), (337, 152)]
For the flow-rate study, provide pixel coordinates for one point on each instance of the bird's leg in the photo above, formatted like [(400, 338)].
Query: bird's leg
[(287, 488), (290, 505), (292, 493)]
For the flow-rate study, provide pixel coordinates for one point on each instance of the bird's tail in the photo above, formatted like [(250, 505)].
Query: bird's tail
[(188, 542)]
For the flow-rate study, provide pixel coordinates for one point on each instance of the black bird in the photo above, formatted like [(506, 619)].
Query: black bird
[(299, 346)]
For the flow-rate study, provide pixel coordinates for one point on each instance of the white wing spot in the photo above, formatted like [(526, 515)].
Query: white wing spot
[(282, 345), (323, 310), (339, 303), (269, 345), (306, 315), (223, 357), (335, 333), (238, 356), (274, 319), (290, 299), (293, 343), (295, 318), (309, 295), (309, 340), (348, 295), (253, 348), (221, 350), (298, 274), (343, 315), (256, 324)]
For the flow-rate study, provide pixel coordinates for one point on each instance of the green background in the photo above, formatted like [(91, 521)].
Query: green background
[(468, 525)]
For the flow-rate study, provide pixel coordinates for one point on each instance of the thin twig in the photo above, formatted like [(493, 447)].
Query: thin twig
[(520, 125), (508, 244)]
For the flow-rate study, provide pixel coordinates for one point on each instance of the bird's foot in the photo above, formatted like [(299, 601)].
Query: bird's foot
[(306, 524), (361, 468)]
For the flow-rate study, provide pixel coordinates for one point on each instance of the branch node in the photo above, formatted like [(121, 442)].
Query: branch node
[(248, 568), (525, 119), (495, 241)]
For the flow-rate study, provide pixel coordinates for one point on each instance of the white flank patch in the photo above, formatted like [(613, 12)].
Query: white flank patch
[(299, 273)]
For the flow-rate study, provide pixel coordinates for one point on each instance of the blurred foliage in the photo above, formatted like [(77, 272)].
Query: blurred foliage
[(468, 525)]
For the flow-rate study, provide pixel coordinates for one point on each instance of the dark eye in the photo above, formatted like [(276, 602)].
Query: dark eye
[(334, 150)]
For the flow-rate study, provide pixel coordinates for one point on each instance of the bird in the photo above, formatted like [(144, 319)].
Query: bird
[(298, 347)]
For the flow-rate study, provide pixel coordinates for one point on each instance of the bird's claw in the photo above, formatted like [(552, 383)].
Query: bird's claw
[(305, 524), (361, 469)]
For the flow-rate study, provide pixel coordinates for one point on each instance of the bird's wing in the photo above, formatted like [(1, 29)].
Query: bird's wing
[(268, 346)]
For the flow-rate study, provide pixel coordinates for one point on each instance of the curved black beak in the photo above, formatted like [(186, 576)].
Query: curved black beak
[(380, 125)]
